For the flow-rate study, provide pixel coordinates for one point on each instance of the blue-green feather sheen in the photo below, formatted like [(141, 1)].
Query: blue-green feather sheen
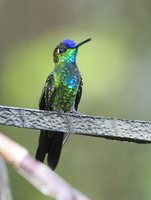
[(67, 80)]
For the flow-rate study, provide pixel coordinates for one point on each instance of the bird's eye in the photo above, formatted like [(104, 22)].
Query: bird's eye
[(59, 50)]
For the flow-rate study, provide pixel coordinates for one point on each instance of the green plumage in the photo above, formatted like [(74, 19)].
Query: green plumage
[(62, 92)]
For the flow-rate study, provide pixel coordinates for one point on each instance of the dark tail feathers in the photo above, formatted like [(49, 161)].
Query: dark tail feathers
[(51, 143)]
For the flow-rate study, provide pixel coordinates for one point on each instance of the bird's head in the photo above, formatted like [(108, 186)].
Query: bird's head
[(66, 51)]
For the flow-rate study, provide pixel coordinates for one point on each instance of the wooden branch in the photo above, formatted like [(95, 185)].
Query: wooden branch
[(5, 191), (38, 174), (103, 127)]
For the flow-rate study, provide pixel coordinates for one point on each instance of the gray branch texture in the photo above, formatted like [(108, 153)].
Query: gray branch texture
[(110, 128), (5, 191)]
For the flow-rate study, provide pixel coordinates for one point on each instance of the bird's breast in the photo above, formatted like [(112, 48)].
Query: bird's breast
[(66, 90), (72, 82)]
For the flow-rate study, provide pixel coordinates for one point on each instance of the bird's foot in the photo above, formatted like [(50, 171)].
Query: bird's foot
[(73, 111)]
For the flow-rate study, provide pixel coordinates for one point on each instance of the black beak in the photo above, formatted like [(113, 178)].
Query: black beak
[(81, 43)]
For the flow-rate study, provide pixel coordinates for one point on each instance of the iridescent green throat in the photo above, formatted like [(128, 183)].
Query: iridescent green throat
[(68, 57)]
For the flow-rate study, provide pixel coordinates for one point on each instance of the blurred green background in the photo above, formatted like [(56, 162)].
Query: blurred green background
[(116, 72)]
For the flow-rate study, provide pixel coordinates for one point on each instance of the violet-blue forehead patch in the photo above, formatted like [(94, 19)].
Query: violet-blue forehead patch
[(69, 43)]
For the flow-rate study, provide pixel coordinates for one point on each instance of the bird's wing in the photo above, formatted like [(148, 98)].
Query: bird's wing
[(49, 142), (47, 93), (79, 93), (44, 103)]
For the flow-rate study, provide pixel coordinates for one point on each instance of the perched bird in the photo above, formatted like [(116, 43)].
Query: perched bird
[(62, 92)]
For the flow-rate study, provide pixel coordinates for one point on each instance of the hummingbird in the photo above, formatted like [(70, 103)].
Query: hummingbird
[(62, 92)]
